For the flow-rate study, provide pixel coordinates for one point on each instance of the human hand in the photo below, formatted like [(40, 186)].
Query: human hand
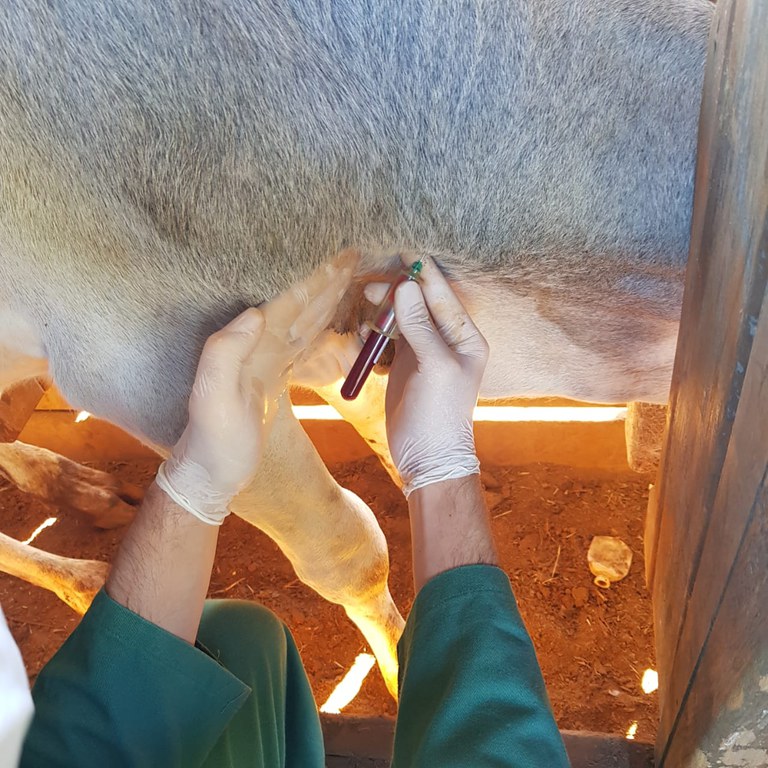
[(242, 371), (434, 382)]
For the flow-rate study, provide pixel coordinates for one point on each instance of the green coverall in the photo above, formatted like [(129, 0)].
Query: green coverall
[(123, 692)]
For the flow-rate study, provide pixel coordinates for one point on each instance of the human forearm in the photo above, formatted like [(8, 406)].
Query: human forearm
[(163, 567), (431, 394), (450, 526)]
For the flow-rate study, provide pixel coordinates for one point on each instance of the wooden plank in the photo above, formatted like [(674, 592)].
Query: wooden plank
[(55, 401), (651, 533), (734, 506), (366, 737), (599, 750), (598, 445), (367, 741), (724, 720), (16, 406), (91, 440), (717, 446), (723, 298)]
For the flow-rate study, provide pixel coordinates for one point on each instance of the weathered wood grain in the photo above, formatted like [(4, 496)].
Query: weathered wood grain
[(723, 720), (366, 742), (714, 460), (737, 501), (17, 404)]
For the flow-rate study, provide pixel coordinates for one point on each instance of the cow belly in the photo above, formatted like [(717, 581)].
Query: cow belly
[(533, 355), (603, 351), (21, 351)]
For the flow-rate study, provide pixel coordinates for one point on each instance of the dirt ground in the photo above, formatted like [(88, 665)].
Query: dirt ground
[(593, 644)]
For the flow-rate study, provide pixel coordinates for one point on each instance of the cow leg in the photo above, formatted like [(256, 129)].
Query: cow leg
[(37, 471), (76, 582), (366, 415), (329, 535), (108, 501), (323, 368)]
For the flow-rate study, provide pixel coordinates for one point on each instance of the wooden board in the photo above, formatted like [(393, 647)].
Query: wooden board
[(735, 505), (17, 404), (593, 445), (703, 565), (366, 742), (723, 720), (55, 401)]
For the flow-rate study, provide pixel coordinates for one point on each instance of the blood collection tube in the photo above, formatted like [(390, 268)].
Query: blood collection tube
[(383, 330)]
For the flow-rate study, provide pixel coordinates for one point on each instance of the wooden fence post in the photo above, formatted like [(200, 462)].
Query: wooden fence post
[(710, 554)]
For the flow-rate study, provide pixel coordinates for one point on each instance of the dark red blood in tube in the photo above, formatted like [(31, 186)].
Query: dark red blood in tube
[(361, 370)]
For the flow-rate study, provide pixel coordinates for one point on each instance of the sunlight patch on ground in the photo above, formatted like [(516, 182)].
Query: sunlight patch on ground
[(350, 684), (40, 528)]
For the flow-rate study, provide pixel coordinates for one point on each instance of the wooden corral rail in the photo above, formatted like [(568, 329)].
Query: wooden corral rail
[(591, 444), (366, 742), (708, 532), (17, 405)]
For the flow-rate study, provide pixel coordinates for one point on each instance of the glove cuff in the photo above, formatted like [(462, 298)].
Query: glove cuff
[(454, 471), (432, 458), (211, 511)]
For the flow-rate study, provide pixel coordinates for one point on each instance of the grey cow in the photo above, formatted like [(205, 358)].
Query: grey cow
[(165, 164)]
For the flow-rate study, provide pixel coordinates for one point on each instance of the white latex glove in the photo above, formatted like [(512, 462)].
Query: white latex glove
[(434, 382), (242, 372)]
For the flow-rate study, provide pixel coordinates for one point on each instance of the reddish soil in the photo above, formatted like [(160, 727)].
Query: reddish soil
[(593, 644)]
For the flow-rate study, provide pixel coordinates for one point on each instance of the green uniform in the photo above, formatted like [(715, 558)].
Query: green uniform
[(123, 692)]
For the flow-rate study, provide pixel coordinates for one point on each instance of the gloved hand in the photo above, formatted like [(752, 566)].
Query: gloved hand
[(434, 383), (242, 372)]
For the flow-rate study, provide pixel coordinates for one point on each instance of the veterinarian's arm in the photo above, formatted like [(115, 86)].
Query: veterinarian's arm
[(163, 567), (128, 687), (471, 690), (431, 395)]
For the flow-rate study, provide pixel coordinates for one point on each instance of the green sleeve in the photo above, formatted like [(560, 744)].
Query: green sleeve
[(471, 690), (123, 692)]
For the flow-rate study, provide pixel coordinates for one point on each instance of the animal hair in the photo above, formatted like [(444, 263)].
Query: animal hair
[(165, 164)]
